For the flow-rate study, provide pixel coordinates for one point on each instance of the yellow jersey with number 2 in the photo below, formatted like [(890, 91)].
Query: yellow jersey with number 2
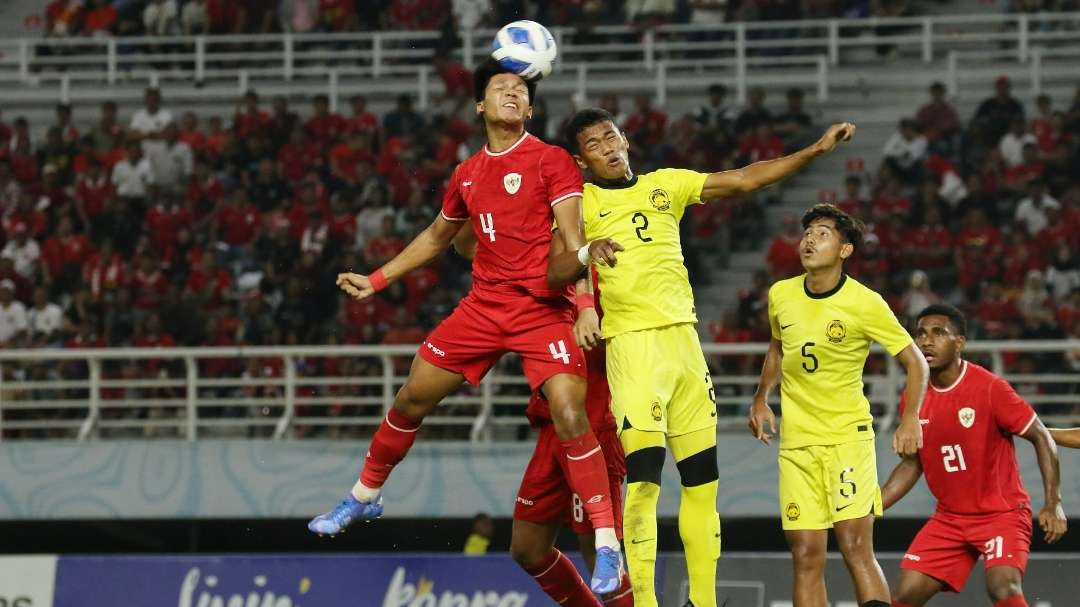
[(648, 288), (826, 339)]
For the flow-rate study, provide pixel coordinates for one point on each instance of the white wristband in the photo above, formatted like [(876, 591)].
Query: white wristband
[(583, 254)]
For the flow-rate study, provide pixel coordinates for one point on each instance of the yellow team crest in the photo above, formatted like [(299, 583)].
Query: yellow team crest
[(792, 511), (660, 199), (836, 331), (657, 412)]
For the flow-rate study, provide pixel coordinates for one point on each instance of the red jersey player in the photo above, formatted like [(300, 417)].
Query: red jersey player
[(969, 417), (510, 192)]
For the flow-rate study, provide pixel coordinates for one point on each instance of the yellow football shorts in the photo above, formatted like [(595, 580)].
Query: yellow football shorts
[(823, 484), (660, 382)]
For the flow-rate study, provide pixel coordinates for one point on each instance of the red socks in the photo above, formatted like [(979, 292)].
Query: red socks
[(1016, 600), (561, 581), (391, 442), (589, 479), (623, 597)]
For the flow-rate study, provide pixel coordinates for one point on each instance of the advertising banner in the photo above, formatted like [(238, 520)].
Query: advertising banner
[(27, 581)]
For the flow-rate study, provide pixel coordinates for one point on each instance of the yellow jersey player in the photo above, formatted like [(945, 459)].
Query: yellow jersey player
[(822, 325), (662, 394)]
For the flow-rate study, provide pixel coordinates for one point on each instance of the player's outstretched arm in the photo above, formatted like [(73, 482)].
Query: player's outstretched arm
[(568, 265), (761, 413), (427, 245), (767, 172), (1052, 516), (903, 478), (1066, 437), (908, 437)]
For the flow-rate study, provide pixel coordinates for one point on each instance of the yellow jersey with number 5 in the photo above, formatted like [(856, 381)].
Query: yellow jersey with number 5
[(648, 288), (825, 339)]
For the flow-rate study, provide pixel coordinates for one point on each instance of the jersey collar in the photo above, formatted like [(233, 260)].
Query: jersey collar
[(616, 184), (524, 136), (959, 378), (826, 294)]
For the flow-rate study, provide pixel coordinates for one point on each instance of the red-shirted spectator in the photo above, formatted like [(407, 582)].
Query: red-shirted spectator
[(217, 138), (93, 191), (148, 283), (63, 18), (153, 335), (853, 202), (456, 78), (646, 125), (209, 282), (249, 119), (237, 220), (761, 144), (363, 120), (1018, 258), (937, 119), (100, 19), (345, 156), (1018, 177), (324, 127), (65, 252), (337, 15), (164, 220), (419, 15), (204, 191), (403, 332), (298, 156), (929, 244), (995, 305), (190, 133), (105, 271), (223, 16), (342, 226), (316, 234), (24, 163), (783, 257), (27, 214), (418, 284), (385, 246), (891, 201), (307, 202)]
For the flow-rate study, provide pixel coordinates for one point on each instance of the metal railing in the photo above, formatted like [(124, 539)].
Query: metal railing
[(727, 50), (289, 392), (960, 64)]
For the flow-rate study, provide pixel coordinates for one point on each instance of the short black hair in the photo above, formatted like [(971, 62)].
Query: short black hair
[(583, 120), (937, 86), (955, 316), (717, 89), (851, 228), (488, 70)]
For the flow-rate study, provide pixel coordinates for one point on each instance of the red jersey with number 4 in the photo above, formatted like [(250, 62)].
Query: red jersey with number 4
[(968, 455), (508, 197)]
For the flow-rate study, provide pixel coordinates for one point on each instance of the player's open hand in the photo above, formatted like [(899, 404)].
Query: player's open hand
[(356, 286), (908, 437), (1053, 522), (587, 329), (603, 251), (761, 415), (841, 131)]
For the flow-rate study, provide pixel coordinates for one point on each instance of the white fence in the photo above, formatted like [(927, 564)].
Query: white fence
[(745, 53), (287, 393)]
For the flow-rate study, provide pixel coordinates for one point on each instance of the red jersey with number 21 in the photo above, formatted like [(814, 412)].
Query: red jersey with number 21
[(968, 455), (508, 197)]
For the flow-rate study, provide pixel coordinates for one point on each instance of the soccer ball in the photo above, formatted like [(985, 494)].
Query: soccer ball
[(525, 48)]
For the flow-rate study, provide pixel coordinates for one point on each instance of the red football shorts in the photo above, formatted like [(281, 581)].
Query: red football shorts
[(545, 495), (485, 326), (949, 545)]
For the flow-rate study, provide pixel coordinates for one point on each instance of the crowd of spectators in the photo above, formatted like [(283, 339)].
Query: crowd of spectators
[(165, 228), (983, 213)]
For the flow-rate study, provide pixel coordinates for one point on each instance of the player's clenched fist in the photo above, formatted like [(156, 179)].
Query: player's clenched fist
[(587, 329), (761, 415), (908, 438), (603, 251), (842, 131), (356, 286), (1052, 521)]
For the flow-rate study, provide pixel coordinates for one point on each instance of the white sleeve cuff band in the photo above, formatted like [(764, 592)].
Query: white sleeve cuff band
[(583, 254)]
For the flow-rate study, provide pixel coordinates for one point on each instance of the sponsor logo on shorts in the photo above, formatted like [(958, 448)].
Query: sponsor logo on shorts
[(792, 511), (913, 557), (836, 331), (657, 412), (525, 502), (438, 351), (596, 499), (967, 417)]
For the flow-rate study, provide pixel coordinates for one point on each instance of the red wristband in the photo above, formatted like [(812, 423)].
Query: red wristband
[(378, 281), (584, 300)]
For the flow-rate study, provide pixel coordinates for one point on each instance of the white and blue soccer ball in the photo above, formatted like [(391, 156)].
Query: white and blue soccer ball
[(525, 48)]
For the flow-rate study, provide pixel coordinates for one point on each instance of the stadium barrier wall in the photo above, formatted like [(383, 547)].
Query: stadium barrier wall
[(283, 479), (395, 580)]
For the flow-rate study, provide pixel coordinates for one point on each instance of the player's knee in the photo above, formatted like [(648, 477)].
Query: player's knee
[(645, 465), (1002, 587), (411, 404), (527, 555), (808, 557), (854, 547), (568, 415), (699, 468)]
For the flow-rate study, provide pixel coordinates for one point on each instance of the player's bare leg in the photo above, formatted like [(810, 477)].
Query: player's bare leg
[(623, 596), (914, 589), (1005, 586), (586, 472), (808, 562), (425, 388), (855, 538)]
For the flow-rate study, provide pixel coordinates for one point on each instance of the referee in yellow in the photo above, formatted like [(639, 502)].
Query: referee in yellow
[(822, 325), (661, 392)]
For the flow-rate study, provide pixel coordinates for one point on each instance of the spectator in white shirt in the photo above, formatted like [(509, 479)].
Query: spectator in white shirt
[(717, 115), (173, 168), (44, 318), (23, 250), (470, 13), (159, 17), (1012, 143), (905, 151), (1031, 212), (134, 174), (148, 124), (13, 323)]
